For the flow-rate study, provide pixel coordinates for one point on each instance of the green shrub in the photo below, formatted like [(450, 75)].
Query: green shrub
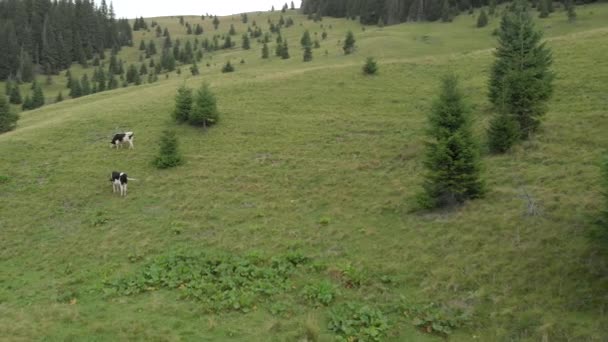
[(169, 155), (322, 293), (204, 108), (227, 67), (183, 104), (370, 67), (8, 119), (357, 322)]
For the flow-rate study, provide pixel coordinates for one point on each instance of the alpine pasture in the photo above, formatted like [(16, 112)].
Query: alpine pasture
[(306, 184)]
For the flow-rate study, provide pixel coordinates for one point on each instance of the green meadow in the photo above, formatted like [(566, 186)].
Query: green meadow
[(310, 176)]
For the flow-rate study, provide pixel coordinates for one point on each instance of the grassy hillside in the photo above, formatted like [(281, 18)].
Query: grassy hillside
[(315, 159)]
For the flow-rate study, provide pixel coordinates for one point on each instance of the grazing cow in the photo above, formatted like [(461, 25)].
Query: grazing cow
[(119, 182), (121, 138)]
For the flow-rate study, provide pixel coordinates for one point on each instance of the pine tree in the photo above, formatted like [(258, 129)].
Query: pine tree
[(482, 20), (446, 12), (305, 40), (75, 90), (38, 97), (293, 7), (143, 69), (307, 53), (227, 43), (27, 103), (492, 6), (246, 44), (194, 69), (232, 31), (59, 97), (216, 22), (168, 155), (452, 157), (142, 45), (520, 74), (544, 8), (285, 50), (204, 108), (503, 133), (8, 119), (349, 43), (183, 104), (265, 52), (112, 82), (85, 86), (570, 11), (15, 96), (370, 67), (131, 72), (227, 67)]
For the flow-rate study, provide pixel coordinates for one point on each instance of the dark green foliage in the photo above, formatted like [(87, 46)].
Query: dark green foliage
[(246, 44), (503, 133), (143, 69), (8, 119), (446, 11), (349, 43), (168, 155), (284, 50), (204, 108), (112, 82), (307, 53), (227, 67), (265, 52), (357, 322), (131, 73), (452, 157), (27, 104), (38, 97), (59, 97), (15, 95), (183, 104), (520, 80), (305, 40), (570, 11), (324, 35), (316, 44), (227, 43), (194, 69), (604, 189), (232, 31), (75, 89), (492, 7), (142, 46), (370, 67), (482, 20), (216, 22), (543, 8), (85, 86)]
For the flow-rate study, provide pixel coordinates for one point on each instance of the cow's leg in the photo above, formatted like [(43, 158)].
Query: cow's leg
[(131, 144)]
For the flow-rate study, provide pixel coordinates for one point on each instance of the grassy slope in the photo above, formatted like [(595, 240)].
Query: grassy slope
[(299, 142)]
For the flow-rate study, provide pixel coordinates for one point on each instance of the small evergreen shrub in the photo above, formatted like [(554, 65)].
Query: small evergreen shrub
[(8, 119), (169, 155), (183, 104), (227, 67), (370, 67), (204, 108)]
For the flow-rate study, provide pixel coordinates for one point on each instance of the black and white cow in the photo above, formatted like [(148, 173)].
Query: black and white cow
[(122, 138), (119, 182)]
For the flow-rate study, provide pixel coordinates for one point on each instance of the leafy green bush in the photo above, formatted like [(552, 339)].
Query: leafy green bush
[(370, 67), (357, 322), (219, 282), (168, 155), (322, 293)]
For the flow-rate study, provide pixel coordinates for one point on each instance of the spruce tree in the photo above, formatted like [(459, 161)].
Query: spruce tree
[(570, 11), (15, 96), (143, 69), (232, 31), (8, 119), (520, 77), (38, 97), (307, 53), (59, 97), (349, 43), (492, 7), (246, 44), (85, 86), (142, 45), (216, 22), (75, 90), (265, 51), (305, 40), (543, 8), (183, 104), (112, 82), (284, 50), (168, 155), (227, 67), (204, 108), (27, 103), (452, 156), (370, 67), (482, 20), (194, 69)]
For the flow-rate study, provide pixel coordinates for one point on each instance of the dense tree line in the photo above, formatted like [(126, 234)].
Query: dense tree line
[(49, 35), (392, 11)]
